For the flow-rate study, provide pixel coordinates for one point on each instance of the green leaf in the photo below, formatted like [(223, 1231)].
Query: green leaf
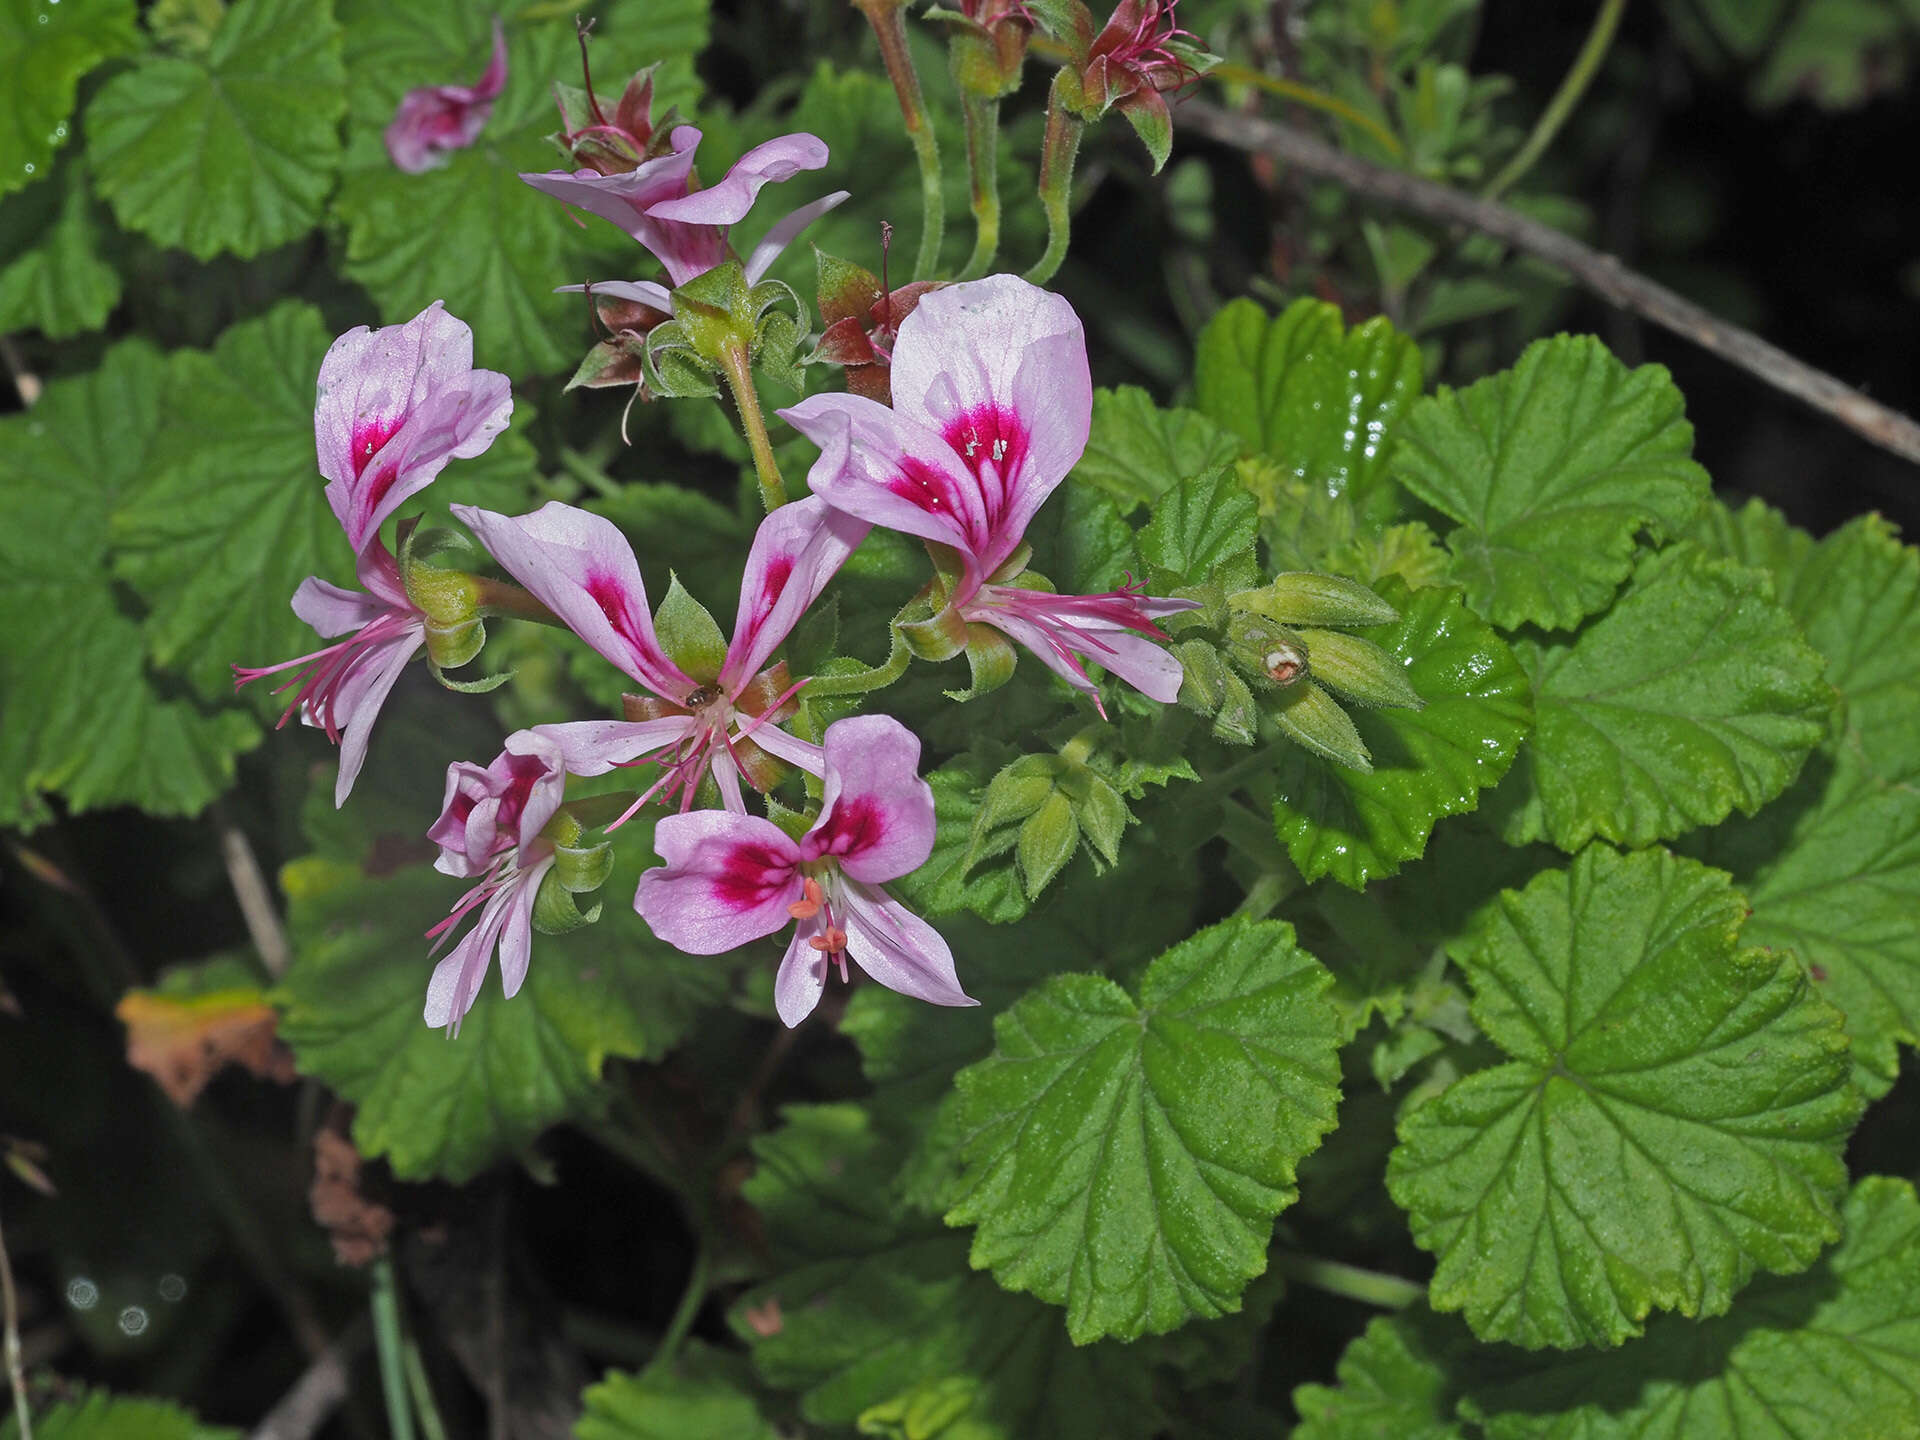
[(1553, 469), (1695, 695), (440, 1108), (44, 50), (471, 231), (79, 715), (100, 1416), (1835, 1351), (231, 514), (700, 1398), (874, 1305), (1427, 763), (232, 150), (1394, 1385), (1137, 450), (1321, 400), (1199, 525), (949, 881), (53, 277), (1126, 1159), (1671, 1120)]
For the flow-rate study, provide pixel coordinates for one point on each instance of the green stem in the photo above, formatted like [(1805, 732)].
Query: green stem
[(389, 1346), (691, 1299), (431, 1426), (502, 597), (875, 677), (1058, 152), (738, 366), (1267, 893), (1585, 65), (982, 115), (890, 29), (1369, 1287), (1231, 74)]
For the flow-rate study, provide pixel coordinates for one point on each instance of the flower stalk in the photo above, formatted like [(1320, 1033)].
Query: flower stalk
[(890, 29), (736, 363), (982, 115), (1058, 151)]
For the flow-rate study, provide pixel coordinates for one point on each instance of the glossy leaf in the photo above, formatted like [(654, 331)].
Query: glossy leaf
[(1137, 450), (44, 50), (231, 150), (79, 714), (698, 1398), (1198, 526), (100, 1416), (950, 881), (1321, 400), (1126, 1158), (1694, 696), (53, 276), (1394, 1384), (1553, 469), (1670, 1121), (440, 1108), (1427, 763), (872, 1305), (1835, 1351)]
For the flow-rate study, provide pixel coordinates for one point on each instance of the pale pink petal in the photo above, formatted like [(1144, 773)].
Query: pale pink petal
[(796, 551), (891, 472), (494, 78), (434, 119), (790, 748), (624, 198), (379, 574), (643, 292), (581, 567), (998, 368), (360, 699), (801, 979), (726, 776), (456, 979), (394, 405), (876, 813), (728, 880), (543, 782), (786, 232), (780, 158), (469, 786), (1141, 662), (593, 747), (331, 610), (516, 930), (898, 948)]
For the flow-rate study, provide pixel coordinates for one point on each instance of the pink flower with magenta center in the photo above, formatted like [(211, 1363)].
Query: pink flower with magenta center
[(394, 406), (686, 229), (733, 878), (992, 406), (435, 119), (581, 567), (490, 825)]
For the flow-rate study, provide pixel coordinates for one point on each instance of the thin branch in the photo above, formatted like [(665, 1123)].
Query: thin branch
[(255, 897), (320, 1391), (10, 1339), (1603, 274)]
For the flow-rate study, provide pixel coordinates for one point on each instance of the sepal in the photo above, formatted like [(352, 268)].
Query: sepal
[(689, 635), (554, 910), (991, 658), (1315, 720), (1360, 669), (1307, 597)]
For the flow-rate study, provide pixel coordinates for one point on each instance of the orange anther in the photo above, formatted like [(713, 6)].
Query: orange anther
[(808, 908)]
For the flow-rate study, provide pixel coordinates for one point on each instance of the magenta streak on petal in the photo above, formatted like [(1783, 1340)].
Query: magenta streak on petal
[(752, 874), (993, 442), (611, 597), (369, 434), (921, 484), (327, 671), (856, 823)]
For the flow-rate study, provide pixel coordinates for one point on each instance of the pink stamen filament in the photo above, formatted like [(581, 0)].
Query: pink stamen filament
[(686, 760), (320, 686)]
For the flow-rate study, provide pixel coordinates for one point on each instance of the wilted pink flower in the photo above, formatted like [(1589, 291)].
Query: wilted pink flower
[(581, 567), (434, 119), (490, 826), (992, 405), (394, 405), (732, 878), (686, 229)]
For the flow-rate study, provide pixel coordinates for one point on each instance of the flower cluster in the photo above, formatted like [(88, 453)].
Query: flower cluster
[(971, 404)]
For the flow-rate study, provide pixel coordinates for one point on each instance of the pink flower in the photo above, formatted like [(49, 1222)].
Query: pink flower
[(434, 119), (582, 568), (394, 405), (490, 826), (992, 405), (686, 229), (732, 878)]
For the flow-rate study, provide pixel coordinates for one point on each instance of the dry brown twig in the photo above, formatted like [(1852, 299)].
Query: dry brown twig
[(1598, 272)]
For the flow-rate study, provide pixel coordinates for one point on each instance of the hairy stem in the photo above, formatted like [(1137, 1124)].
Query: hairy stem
[(421, 1389), (389, 1345), (890, 29), (688, 1310), (982, 115), (875, 677), (1602, 274), (1585, 65), (738, 366), (1057, 154), (1369, 1287)]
